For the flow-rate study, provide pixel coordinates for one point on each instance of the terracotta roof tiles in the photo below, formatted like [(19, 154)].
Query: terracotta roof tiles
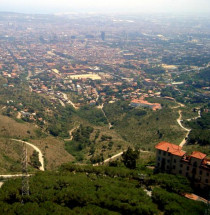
[(169, 147), (198, 155)]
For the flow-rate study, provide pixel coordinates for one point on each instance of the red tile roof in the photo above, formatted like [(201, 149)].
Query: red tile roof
[(169, 147), (198, 155)]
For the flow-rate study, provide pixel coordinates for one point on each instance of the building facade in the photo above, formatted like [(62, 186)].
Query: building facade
[(172, 159)]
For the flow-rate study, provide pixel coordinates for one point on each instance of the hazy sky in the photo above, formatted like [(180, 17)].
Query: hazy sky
[(55, 6)]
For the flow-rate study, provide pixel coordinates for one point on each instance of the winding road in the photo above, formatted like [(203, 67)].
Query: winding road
[(186, 129), (70, 133), (179, 120), (41, 157)]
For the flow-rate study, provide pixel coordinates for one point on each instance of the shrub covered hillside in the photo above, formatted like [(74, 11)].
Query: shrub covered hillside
[(96, 190)]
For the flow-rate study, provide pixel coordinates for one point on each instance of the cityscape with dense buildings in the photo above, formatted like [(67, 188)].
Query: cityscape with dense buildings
[(104, 114)]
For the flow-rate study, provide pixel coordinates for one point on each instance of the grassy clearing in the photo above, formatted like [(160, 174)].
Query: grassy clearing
[(11, 128), (10, 157)]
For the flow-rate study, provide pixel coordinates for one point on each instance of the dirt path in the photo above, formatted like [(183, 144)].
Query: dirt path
[(101, 107), (18, 115), (70, 133), (41, 157), (179, 105), (186, 129), (179, 120), (194, 118), (12, 176), (115, 156), (69, 101)]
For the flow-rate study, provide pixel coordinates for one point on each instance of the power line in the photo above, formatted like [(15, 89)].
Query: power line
[(25, 182)]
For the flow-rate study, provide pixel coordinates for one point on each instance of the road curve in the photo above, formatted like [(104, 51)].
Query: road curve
[(70, 133), (186, 129), (41, 157), (179, 121), (114, 156)]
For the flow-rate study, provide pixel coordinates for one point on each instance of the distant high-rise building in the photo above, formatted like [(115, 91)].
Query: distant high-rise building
[(103, 35)]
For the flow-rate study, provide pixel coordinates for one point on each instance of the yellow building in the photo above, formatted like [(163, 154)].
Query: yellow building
[(196, 167)]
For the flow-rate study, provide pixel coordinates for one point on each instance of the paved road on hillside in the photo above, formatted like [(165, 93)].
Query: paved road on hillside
[(41, 157)]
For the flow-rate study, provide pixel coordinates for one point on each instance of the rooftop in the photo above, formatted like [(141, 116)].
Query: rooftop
[(177, 150), (198, 155), (169, 147)]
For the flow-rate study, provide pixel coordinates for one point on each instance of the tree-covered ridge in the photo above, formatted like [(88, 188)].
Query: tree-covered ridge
[(76, 189)]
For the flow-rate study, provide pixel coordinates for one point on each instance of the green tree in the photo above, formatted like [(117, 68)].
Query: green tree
[(129, 158), (34, 158)]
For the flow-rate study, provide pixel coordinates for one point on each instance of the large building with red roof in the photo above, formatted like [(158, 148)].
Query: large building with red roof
[(172, 159)]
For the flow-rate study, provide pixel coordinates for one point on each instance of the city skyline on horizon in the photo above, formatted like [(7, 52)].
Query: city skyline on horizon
[(109, 6)]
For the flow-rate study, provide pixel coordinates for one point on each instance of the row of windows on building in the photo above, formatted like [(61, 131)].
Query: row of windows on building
[(181, 166), (187, 173), (168, 161)]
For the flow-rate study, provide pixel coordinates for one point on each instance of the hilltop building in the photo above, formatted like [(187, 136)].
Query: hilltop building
[(196, 167)]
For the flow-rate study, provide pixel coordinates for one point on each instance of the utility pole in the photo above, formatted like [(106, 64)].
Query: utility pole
[(25, 183)]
